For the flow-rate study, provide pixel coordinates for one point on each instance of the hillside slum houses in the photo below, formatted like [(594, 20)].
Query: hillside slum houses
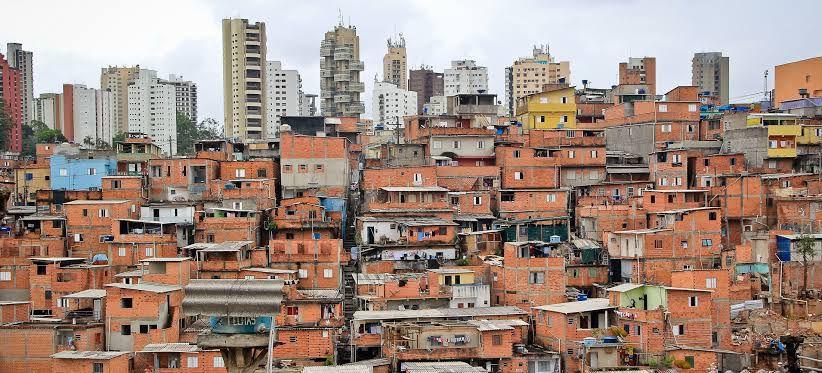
[(662, 233)]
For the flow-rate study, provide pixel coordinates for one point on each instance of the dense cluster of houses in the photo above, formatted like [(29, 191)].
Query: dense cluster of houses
[(586, 233)]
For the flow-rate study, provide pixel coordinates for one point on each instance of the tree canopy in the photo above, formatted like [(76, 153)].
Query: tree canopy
[(189, 133)]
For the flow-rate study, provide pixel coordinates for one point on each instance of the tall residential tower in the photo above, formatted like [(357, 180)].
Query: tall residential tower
[(340, 68), (465, 76), (116, 80), (426, 83), (22, 60), (528, 75), (394, 67), (710, 74), (244, 93)]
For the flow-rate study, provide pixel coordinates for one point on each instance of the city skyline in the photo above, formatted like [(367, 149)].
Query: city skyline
[(191, 45)]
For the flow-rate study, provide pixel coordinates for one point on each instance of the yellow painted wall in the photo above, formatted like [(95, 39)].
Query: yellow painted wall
[(545, 110)]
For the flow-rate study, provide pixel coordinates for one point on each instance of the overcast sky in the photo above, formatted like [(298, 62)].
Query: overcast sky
[(72, 40)]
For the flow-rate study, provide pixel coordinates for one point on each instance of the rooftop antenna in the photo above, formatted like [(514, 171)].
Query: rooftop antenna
[(339, 10), (765, 92)]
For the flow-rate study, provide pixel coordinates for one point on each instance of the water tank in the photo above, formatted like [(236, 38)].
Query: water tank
[(589, 341), (554, 239), (582, 296)]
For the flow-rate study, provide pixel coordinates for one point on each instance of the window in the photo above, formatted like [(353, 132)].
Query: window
[(564, 100), (262, 173), (192, 361), (436, 144), (125, 329), (551, 197), (302, 168), (457, 144), (302, 273), (683, 244), (286, 168), (63, 172), (657, 244), (126, 303), (707, 242), (97, 368), (103, 213), (516, 153), (771, 164), (564, 119), (328, 273), (710, 282), (144, 329), (518, 175), (121, 251), (712, 215), (692, 108), (149, 251), (536, 278), (593, 153), (5, 276), (506, 196), (319, 168), (240, 172), (477, 200), (693, 301), (733, 161), (85, 212), (663, 108), (417, 178), (480, 144), (78, 237), (218, 362), (571, 154), (92, 171), (666, 128), (593, 175), (496, 339), (690, 360)]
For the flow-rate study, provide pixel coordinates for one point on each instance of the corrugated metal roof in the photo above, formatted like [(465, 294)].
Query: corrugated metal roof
[(353, 368), (440, 367), (224, 297), (487, 325), (320, 293), (89, 355), (414, 189), (625, 287), (89, 293), (593, 304), (147, 286), (438, 313), (227, 246), (170, 347)]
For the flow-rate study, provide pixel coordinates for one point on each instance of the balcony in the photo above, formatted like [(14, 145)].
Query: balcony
[(342, 56), (326, 73), (326, 94), (357, 66), (342, 98), (356, 87), (356, 107), (342, 77), (326, 50)]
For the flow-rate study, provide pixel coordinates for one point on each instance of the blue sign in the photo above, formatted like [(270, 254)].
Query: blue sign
[(240, 325)]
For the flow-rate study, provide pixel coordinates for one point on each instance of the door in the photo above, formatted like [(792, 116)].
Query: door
[(98, 307), (370, 231)]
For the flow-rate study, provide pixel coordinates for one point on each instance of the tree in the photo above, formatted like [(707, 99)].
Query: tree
[(806, 246), (36, 132), (5, 126), (119, 137), (188, 133)]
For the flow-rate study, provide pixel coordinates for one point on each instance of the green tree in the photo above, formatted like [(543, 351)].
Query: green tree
[(36, 132), (5, 126), (49, 135), (806, 246), (119, 137), (188, 133)]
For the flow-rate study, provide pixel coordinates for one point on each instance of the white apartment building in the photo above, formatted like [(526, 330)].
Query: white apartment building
[(390, 104), (465, 77), (284, 95), (437, 105), (85, 114), (106, 105), (152, 110), (185, 96), (47, 109)]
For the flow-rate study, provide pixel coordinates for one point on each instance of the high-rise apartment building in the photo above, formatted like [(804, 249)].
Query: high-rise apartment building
[(528, 75), (340, 68), (47, 109), (638, 72), (284, 92), (152, 110), (116, 80), (308, 104), (426, 83), (244, 93), (394, 65), (709, 72), (22, 60), (465, 77), (84, 115), (10, 95), (185, 96), (391, 103)]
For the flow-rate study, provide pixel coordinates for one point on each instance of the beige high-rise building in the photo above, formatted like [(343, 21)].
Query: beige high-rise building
[(116, 80), (244, 94), (529, 74), (340, 67), (709, 71), (394, 68)]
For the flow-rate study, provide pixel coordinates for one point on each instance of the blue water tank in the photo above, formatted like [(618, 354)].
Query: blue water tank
[(610, 339), (582, 297)]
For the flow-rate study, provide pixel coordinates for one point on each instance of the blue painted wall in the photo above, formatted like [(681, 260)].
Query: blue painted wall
[(73, 174)]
